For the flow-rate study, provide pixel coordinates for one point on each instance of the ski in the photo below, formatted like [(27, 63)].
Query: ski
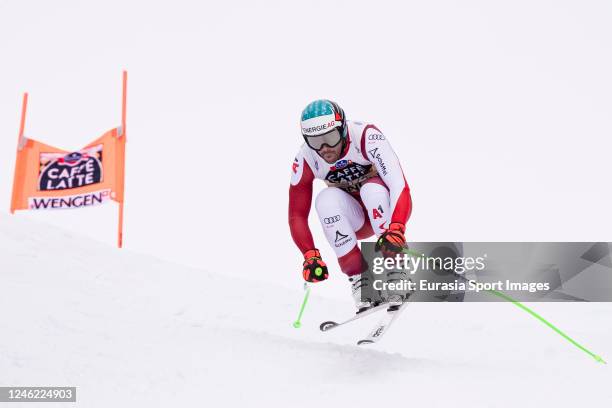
[(328, 325), (383, 326)]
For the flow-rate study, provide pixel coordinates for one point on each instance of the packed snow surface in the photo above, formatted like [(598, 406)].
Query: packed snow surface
[(133, 331)]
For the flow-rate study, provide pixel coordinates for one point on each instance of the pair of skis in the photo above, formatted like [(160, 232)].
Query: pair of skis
[(391, 314)]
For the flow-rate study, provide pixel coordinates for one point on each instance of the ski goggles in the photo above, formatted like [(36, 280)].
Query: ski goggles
[(331, 139)]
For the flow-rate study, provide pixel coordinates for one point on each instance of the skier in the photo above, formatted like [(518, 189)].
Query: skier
[(367, 193)]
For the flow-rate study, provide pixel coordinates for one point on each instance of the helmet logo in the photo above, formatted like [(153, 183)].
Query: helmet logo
[(317, 128), (341, 164)]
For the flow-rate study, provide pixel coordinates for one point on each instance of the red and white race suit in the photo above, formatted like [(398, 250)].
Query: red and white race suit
[(366, 183)]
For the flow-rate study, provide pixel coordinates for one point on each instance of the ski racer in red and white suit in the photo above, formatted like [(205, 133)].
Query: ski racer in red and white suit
[(367, 194)]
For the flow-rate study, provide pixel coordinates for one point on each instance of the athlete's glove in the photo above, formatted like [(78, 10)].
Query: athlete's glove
[(315, 270), (392, 240)]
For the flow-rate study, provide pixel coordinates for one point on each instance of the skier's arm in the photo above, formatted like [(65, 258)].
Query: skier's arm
[(377, 150), (300, 199)]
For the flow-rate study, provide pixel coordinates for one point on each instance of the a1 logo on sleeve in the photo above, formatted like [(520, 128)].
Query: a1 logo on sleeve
[(295, 165)]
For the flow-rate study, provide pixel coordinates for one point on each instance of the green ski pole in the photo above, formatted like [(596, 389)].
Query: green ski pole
[(297, 324), (502, 295)]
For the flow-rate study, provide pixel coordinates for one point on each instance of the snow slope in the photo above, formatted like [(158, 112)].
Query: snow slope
[(133, 331)]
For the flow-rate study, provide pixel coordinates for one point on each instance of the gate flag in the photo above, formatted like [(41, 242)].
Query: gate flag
[(50, 178)]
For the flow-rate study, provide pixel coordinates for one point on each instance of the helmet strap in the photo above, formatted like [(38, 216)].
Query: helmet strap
[(344, 141)]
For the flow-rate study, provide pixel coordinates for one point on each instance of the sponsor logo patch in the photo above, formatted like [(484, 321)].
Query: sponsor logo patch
[(348, 172), (74, 201), (376, 136), (376, 214), (331, 220), (315, 130), (73, 170), (340, 236), (376, 156), (295, 166), (341, 164), (341, 239)]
